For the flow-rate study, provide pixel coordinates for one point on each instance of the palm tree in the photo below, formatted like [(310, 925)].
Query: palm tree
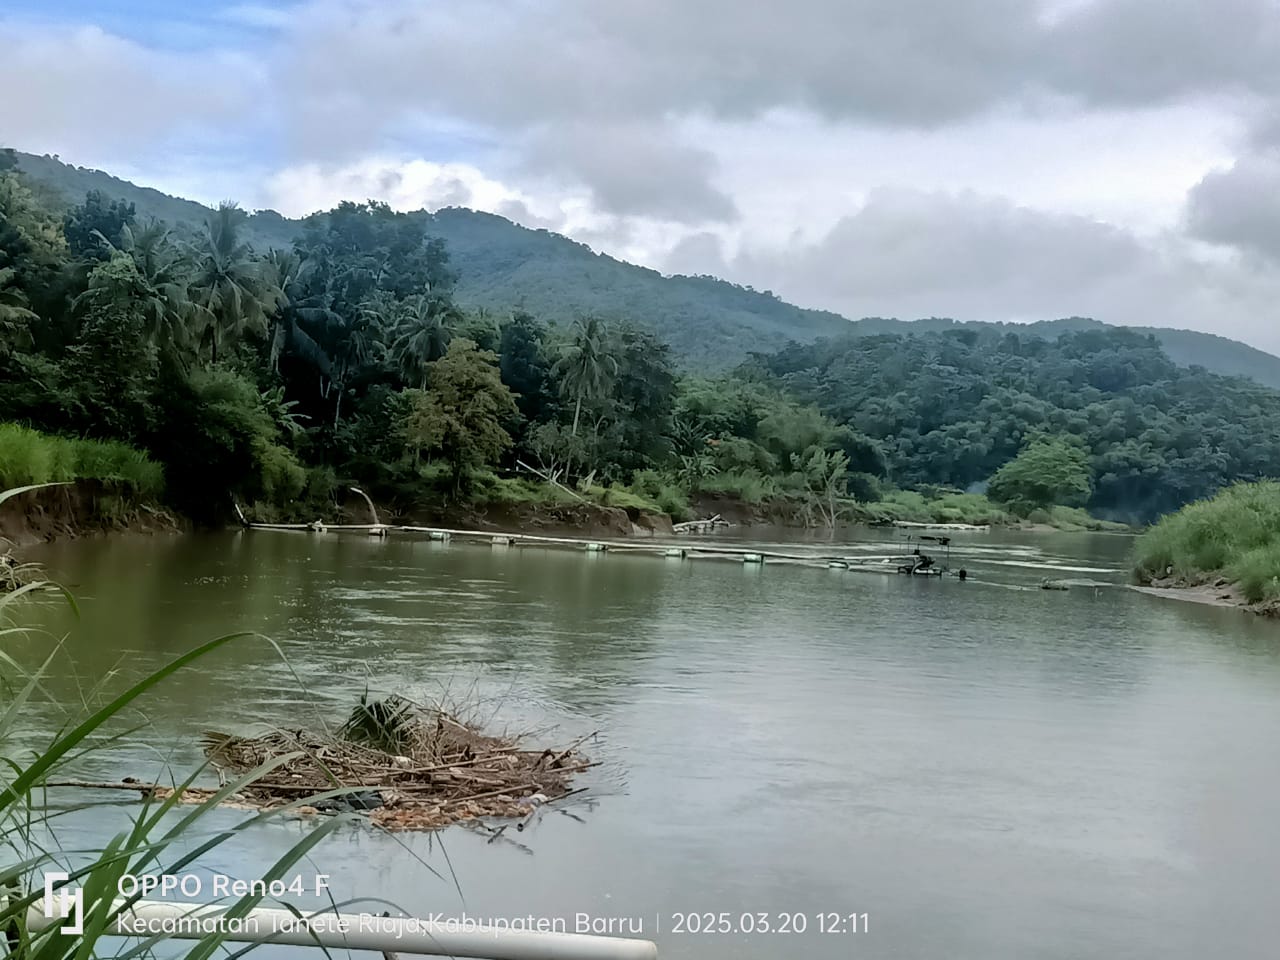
[(160, 296), (422, 334), (304, 321), (361, 344), (230, 287), (586, 368)]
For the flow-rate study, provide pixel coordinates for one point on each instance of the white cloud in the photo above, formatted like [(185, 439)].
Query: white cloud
[(913, 254), (83, 91), (299, 190), (996, 159)]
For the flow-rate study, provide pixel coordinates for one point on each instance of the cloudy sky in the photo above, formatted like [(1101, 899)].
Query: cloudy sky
[(980, 159)]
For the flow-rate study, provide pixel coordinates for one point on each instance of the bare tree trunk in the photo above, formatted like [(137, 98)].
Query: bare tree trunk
[(577, 412)]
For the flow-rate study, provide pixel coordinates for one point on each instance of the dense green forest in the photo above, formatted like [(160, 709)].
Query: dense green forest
[(283, 375), (710, 324), (952, 408)]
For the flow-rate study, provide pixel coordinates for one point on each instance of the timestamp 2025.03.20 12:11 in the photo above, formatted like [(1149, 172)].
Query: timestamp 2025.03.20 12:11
[(767, 922)]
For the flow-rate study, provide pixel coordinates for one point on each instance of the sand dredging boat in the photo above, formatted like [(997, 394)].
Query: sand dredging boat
[(406, 766)]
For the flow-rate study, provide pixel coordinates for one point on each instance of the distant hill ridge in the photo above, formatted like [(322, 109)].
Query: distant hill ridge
[(710, 323)]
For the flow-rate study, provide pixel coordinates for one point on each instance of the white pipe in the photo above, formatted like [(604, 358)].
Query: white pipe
[(456, 938), (369, 502)]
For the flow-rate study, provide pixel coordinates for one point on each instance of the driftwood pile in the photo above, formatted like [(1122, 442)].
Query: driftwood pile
[(415, 768), (408, 768)]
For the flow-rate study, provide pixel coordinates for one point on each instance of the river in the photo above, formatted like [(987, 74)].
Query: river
[(985, 769)]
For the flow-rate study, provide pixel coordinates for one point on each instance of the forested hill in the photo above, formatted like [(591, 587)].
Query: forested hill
[(1187, 348), (502, 266), (710, 324), (951, 408)]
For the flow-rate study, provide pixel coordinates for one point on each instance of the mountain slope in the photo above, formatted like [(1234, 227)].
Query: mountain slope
[(712, 324), (1187, 348)]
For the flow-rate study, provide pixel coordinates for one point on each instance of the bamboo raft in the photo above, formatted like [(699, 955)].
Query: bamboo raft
[(884, 563)]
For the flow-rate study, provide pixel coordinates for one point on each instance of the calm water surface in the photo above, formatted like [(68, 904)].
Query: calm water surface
[(986, 769)]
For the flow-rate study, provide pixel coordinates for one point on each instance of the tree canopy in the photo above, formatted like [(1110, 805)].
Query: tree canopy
[(345, 356)]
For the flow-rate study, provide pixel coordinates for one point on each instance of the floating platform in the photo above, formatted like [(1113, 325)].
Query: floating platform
[(754, 556)]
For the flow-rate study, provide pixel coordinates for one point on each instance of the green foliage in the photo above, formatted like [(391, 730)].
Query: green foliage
[(232, 290), (824, 475), (30, 457), (864, 487), (517, 492), (523, 362), (1235, 534), (710, 324), (94, 226), (663, 490), (954, 406), (461, 417), (383, 724), (113, 330), (586, 367), (219, 439), (1049, 470), (748, 486)]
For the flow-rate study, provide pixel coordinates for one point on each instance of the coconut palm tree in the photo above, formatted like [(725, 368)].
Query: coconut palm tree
[(160, 295), (360, 344), (422, 332), (304, 323), (586, 368), (229, 287)]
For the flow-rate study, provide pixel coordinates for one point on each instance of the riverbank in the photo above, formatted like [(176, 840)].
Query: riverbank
[(1219, 593), (1225, 550), (81, 508)]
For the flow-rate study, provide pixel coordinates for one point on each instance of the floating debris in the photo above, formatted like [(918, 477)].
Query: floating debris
[(411, 767)]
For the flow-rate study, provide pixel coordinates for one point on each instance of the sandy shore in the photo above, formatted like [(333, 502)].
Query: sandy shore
[(1218, 594)]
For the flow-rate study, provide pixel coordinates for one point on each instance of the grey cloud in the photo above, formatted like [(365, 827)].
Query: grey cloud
[(912, 254), (1143, 52), (635, 170), (512, 64), (1240, 207), (940, 249), (698, 254), (516, 65), (517, 211)]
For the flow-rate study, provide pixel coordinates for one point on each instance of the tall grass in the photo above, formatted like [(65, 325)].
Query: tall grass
[(1234, 535), (162, 837), (748, 486), (30, 457)]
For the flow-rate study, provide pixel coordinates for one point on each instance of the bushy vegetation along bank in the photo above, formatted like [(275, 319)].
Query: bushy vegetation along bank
[(283, 377), (30, 457), (96, 485), (1235, 536)]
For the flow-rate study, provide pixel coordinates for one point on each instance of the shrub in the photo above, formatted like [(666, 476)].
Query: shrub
[(1235, 534)]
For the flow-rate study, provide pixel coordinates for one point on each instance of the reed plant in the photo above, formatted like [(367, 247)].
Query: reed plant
[(162, 836)]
